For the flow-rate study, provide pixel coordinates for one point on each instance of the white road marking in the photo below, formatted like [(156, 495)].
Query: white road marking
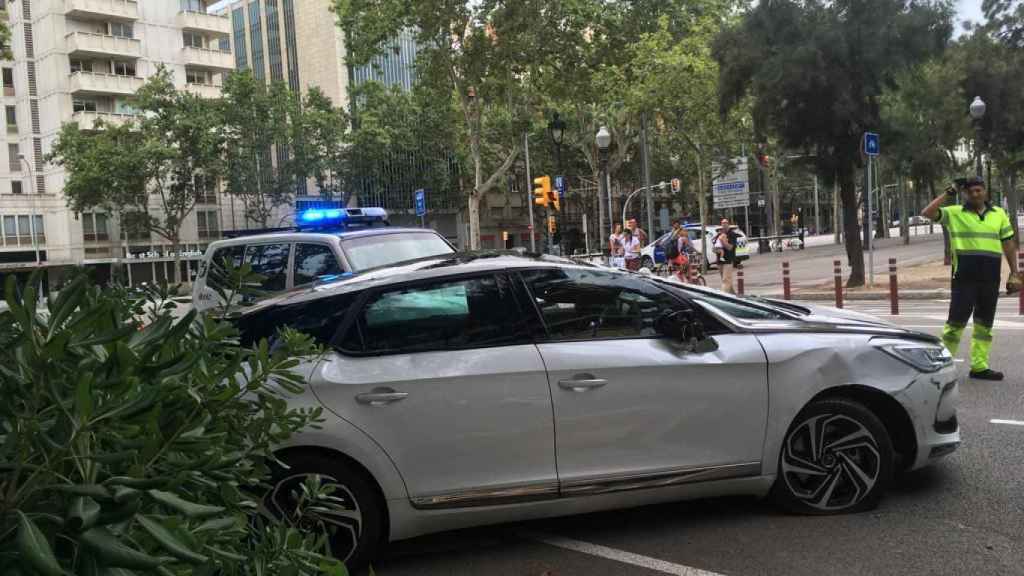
[(1008, 422), (617, 555)]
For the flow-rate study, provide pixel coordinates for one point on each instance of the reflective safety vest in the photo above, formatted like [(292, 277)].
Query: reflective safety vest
[(976, 240)]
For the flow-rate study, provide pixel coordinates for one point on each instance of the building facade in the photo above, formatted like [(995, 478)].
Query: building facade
[(80, 61)]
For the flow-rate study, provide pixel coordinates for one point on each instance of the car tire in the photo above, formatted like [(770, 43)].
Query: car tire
[(837, 457), (359, 529), (647, 262)]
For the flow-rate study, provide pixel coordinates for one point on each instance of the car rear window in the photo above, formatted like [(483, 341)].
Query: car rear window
[(366, 252)]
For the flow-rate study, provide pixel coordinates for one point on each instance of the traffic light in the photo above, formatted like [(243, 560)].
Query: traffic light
[(542, 191), (552, 225), (556, 199)]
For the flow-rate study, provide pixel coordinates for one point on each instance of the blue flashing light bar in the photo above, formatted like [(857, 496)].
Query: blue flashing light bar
[(341, 217)]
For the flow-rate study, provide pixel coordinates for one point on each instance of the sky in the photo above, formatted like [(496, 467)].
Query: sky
[(969, 10)]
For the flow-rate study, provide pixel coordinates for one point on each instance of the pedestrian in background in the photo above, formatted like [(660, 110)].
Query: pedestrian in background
[(725, 245), (615, 251), (637, 231), (980, 235), (631, 250)]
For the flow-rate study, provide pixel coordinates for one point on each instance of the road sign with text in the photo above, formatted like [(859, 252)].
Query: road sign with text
[(731, 188)]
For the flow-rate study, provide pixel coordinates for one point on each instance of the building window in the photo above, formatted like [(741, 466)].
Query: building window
[(224, 44), (123, 68), (40, 229), (9, 80), (192, 40), (193, 6), (80, 66), (197, 76), (83, 105), (12, 117), (135, 228), (94, 227), (206, 190), (10, 231), (256, 35), (238, 21), (293, 49), (15, 186), (208, 224), (121, 29), (14, 157), (274, 42)]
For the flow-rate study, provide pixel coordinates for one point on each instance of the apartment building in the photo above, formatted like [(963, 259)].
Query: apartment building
[(79, 61)]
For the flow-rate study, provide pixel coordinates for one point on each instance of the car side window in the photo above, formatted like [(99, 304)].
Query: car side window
[(319, 318), (583, 304), (271, 262), (313, 261), (216, 274), (474, 312)]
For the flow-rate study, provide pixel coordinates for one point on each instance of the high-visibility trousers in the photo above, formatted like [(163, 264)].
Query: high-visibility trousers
[(978, 299)]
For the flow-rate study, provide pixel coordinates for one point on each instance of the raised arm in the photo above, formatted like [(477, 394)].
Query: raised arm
[(931, 211)]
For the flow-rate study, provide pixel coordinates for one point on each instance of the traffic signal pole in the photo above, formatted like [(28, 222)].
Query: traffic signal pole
[(533, 231)]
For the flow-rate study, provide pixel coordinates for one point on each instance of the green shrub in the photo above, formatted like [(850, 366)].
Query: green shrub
[(129, 450)]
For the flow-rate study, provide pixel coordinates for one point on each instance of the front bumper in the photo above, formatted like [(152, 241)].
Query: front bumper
[(931, 400)]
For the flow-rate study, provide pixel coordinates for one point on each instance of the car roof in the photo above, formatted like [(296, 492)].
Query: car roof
[(426, 269), (312, 236)]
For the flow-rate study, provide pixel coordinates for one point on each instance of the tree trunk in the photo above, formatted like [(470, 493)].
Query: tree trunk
[(851, 228), (947, 256), (176, 246), (474, 200)]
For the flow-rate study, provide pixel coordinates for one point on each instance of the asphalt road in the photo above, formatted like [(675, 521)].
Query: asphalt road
[(962, 516), (813, 265)]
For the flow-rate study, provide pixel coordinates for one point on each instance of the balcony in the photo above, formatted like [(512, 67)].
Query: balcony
[(88, 121), (206, 59), (101, 45), (204, 90), (190, 21), (94, 83), (102, 9)]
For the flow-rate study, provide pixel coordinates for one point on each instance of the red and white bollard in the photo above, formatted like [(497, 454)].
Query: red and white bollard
[(739, 281), (786, 292), (894, 297), (838, 270)]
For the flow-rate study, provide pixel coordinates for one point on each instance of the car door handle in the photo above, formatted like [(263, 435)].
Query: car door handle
[(582, 384), (380, 398)]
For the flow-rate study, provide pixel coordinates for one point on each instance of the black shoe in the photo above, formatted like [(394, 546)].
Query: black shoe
[(987, 374)]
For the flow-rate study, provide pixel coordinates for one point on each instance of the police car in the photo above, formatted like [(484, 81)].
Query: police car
[(326, 244), (654, 253)]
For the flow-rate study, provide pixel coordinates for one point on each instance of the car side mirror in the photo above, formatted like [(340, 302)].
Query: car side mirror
[(686, 328)]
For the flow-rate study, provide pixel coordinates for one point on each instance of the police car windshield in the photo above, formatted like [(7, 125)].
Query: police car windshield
[(366, 252)]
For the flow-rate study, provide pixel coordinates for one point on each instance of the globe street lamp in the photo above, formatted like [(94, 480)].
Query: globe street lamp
[(604, 140), (977, 110)]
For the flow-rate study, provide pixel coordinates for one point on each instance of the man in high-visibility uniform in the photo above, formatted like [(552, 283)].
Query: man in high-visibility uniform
[(980, 235)]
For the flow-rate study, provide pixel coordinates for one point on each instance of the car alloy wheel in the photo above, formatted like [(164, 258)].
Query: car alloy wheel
[(336, 513), (836, 457), (344, 506)]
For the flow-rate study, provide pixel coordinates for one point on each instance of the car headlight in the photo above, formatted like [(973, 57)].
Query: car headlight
[(923, 357)]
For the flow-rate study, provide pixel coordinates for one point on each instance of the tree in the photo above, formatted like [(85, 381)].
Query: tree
[(5, 38), (317, 135), (480, 54), (151, 171), (994, 71), (400, 141), (817, 71), (257, 118)]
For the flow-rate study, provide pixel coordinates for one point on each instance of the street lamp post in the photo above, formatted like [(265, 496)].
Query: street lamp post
[(604, 140), (977, 110), (32, 217)]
